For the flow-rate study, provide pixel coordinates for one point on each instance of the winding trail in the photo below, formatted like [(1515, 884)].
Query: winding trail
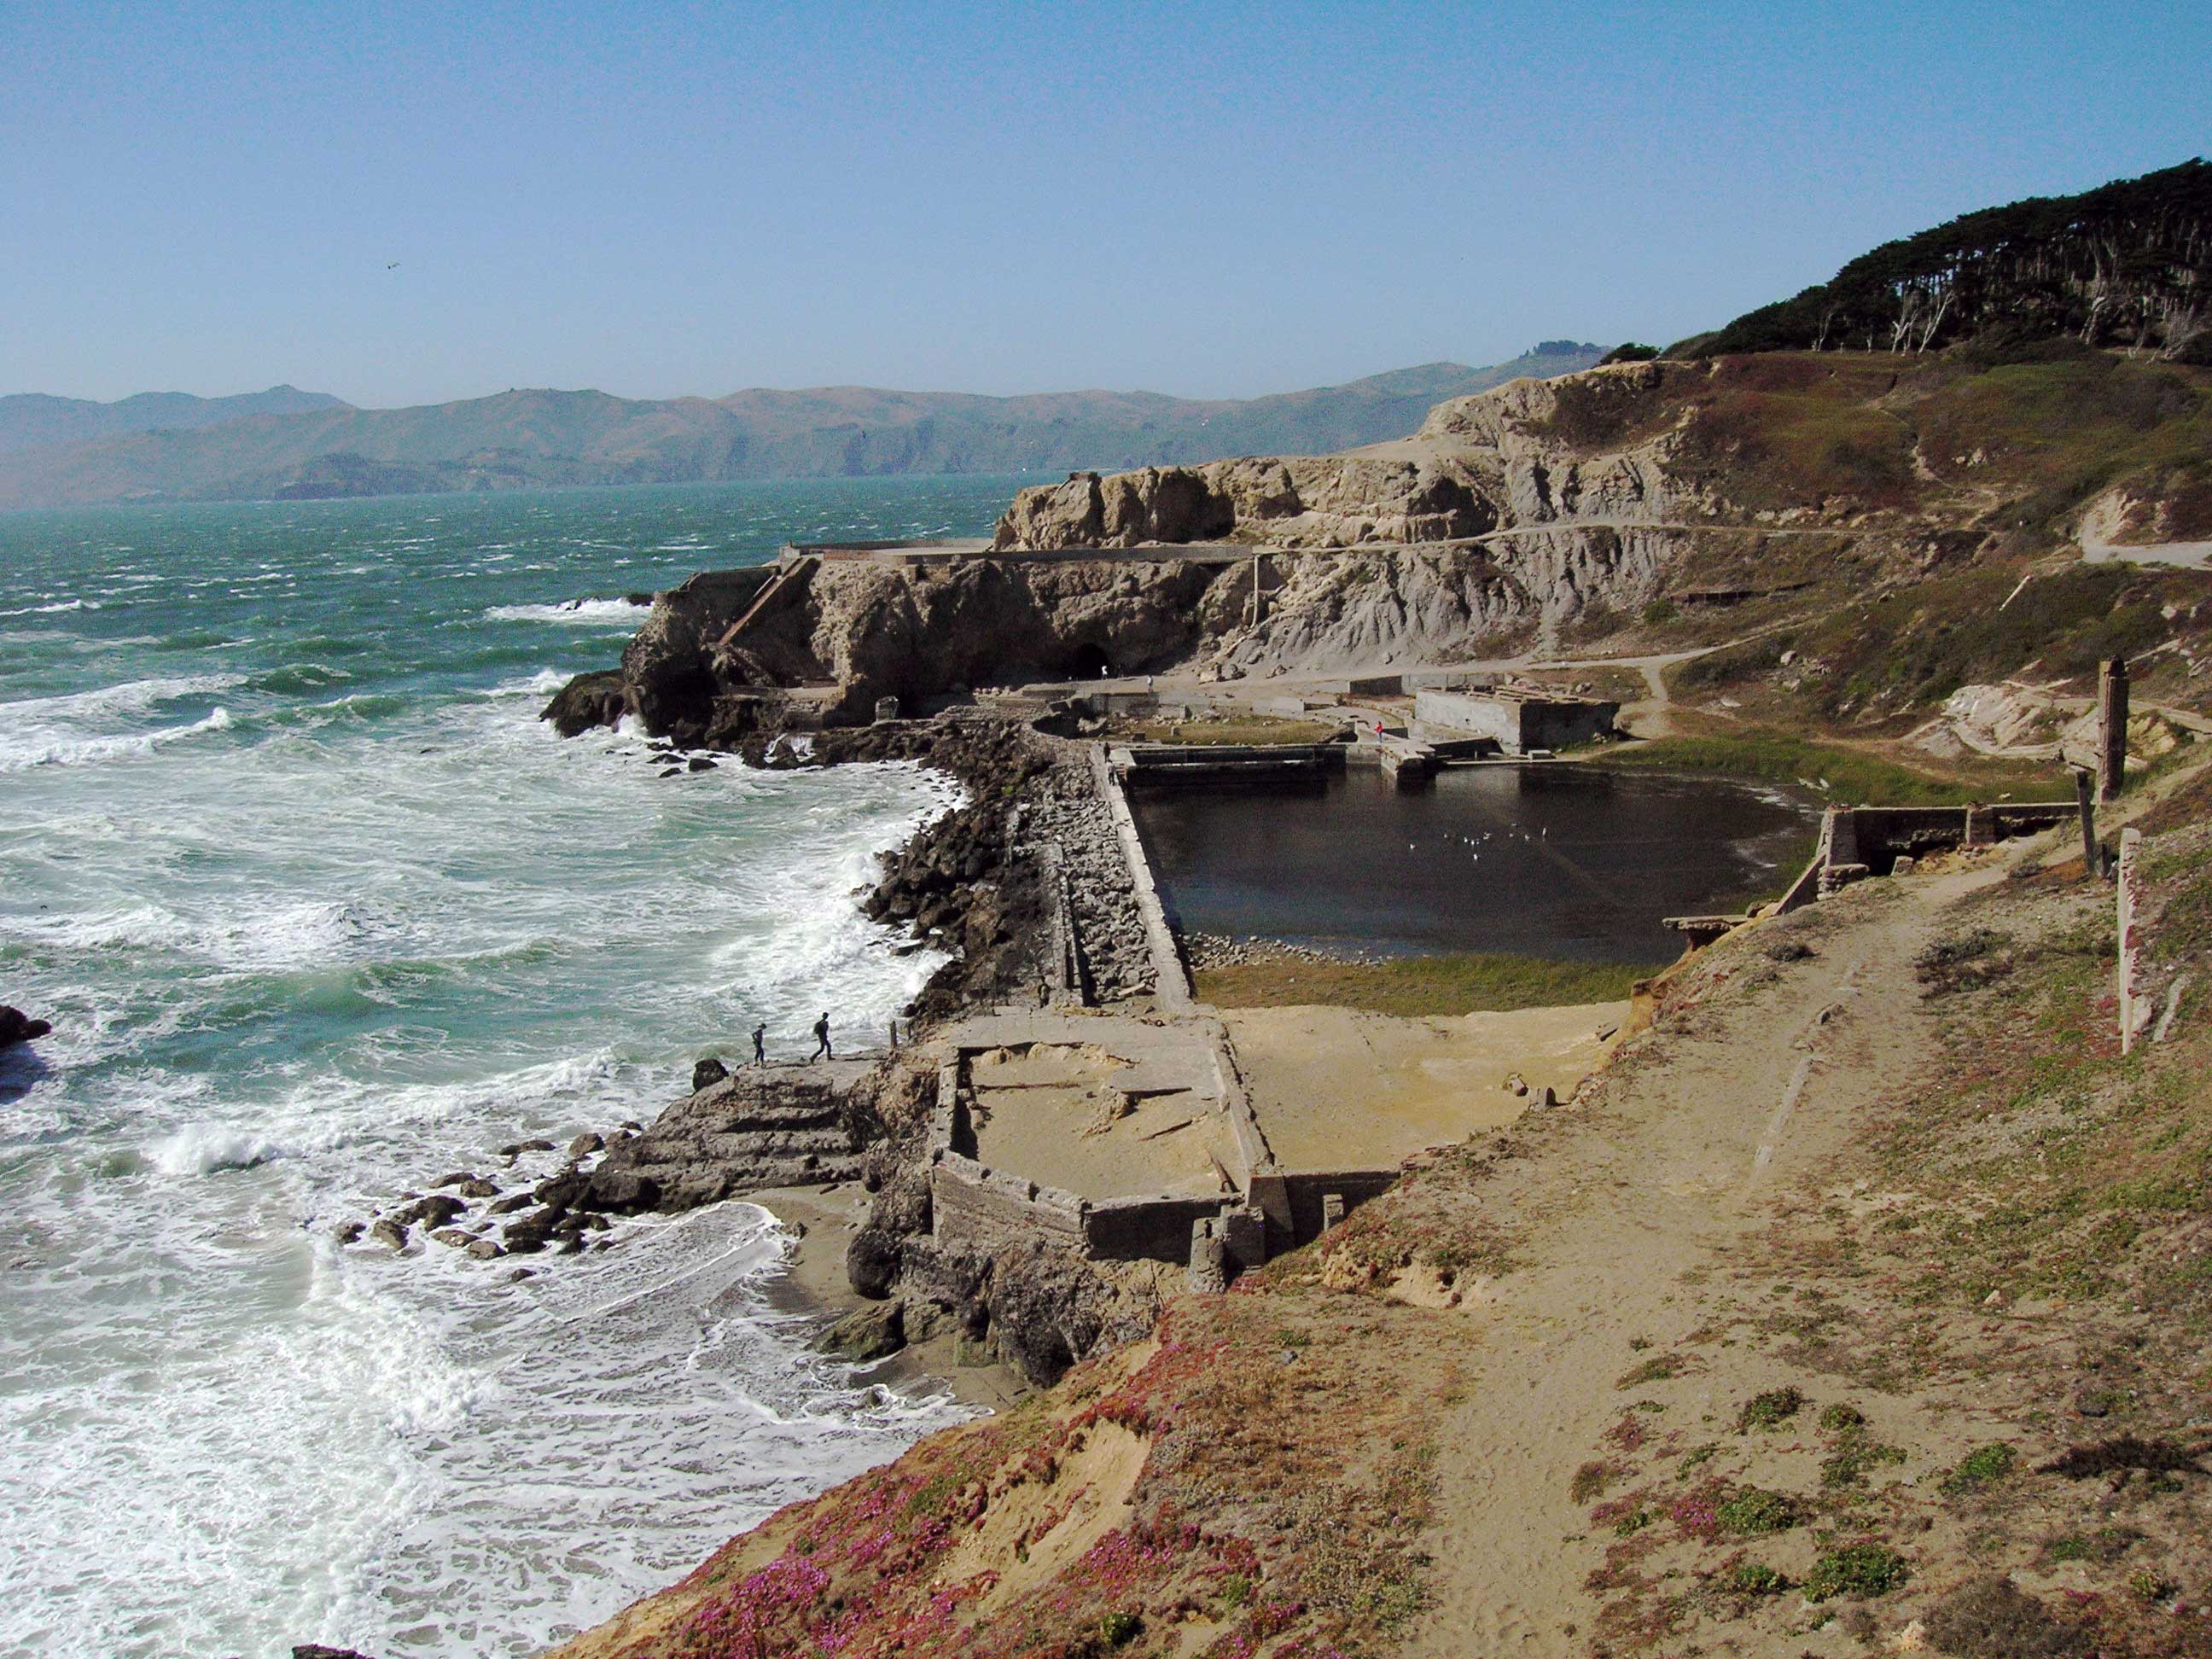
[(1622, 1215)]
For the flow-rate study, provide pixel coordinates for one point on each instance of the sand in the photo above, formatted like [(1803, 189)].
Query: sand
[(1342, 1088)]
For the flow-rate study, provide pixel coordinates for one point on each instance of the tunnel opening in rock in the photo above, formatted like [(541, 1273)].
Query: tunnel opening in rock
[(1091, 662)]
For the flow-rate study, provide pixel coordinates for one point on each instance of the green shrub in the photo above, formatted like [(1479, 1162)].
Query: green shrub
[(1978, 1468), (1851, 1461), (1839, 1417), (1753, 1512), (1770, 1410), (1857, 1569), (1756, 1578)]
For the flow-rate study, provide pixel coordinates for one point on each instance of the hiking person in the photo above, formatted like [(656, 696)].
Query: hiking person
[(760, 1046), (821, 1040)]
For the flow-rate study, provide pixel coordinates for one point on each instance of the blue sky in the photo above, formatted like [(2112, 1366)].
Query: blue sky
[(1205, 199)]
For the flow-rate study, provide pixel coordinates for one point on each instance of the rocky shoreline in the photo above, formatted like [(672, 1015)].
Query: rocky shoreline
[(1029, 857)]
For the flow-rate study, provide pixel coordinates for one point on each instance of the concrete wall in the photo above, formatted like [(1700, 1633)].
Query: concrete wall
[(1877, 836), (1147, 1229), (1292, 1203), (1171, 981), (1517, 724), (973, 1206)]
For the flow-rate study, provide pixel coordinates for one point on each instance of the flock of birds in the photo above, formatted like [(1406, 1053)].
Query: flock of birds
[(1477, 841)]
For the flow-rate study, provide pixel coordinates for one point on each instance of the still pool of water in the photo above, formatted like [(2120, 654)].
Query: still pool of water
[(1572, 862)]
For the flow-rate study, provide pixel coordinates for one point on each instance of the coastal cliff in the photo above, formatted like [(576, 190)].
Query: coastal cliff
[(1640, 508)]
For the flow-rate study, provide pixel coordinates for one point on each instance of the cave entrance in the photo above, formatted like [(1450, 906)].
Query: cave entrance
[(1091, 662)]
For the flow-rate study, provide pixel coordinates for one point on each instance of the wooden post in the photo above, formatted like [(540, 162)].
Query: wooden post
[(2112, 728), (2088, 807), (2132, 1018)]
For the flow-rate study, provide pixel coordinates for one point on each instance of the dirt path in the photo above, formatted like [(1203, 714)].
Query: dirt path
[(1619, 1218)]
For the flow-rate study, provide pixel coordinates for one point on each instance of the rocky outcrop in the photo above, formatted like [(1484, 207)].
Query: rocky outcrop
[(777, 1127), (1333, 501), (1510, 517), (1590, 446), (589, 700), (16, 1026)]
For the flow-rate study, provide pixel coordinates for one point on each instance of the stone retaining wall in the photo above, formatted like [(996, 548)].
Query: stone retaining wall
[(1171, 981)]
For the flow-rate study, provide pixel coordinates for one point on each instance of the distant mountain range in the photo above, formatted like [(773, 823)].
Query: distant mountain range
[(284, 444), (31, 420)]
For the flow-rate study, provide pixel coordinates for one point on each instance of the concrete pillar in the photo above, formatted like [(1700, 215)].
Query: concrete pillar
[(1840, 835), (1244, 1238), (2135, 1009), (1981, 826), (887, 709), (1332, 1210), (1208, 1269), (2112, 728)]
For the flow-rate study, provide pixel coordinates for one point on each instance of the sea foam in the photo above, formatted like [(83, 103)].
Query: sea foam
[(590, 613)]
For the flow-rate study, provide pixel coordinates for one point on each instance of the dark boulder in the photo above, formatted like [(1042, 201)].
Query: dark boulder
[(587, 700), (435, 1211), (16, 1026), (317, 1650), (624, 1191), (866, 1334), (872, 1262), (707, 1073), (586, 1143), (533, 1232), (562, 1191), (1044, 1311)]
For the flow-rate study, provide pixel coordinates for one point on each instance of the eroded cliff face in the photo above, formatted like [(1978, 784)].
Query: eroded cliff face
[(1592, 446), (1328, 501)]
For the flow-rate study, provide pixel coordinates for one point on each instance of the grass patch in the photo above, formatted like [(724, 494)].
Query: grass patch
[(1982, 1466), (1770, 1410), (1413, 986), (1757, 1578), (1850, 1462), (1755, 1511), (1657, 1370), (1858, 1571), (1852, 776)]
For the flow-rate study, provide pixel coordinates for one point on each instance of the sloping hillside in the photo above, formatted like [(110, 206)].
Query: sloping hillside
[(527, 437), (2129, 263)]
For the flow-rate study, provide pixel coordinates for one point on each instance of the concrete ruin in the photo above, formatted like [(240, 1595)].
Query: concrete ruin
[(1521, 722)]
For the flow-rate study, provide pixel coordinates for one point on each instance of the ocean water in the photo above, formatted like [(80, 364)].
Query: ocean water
[(321, 911)]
